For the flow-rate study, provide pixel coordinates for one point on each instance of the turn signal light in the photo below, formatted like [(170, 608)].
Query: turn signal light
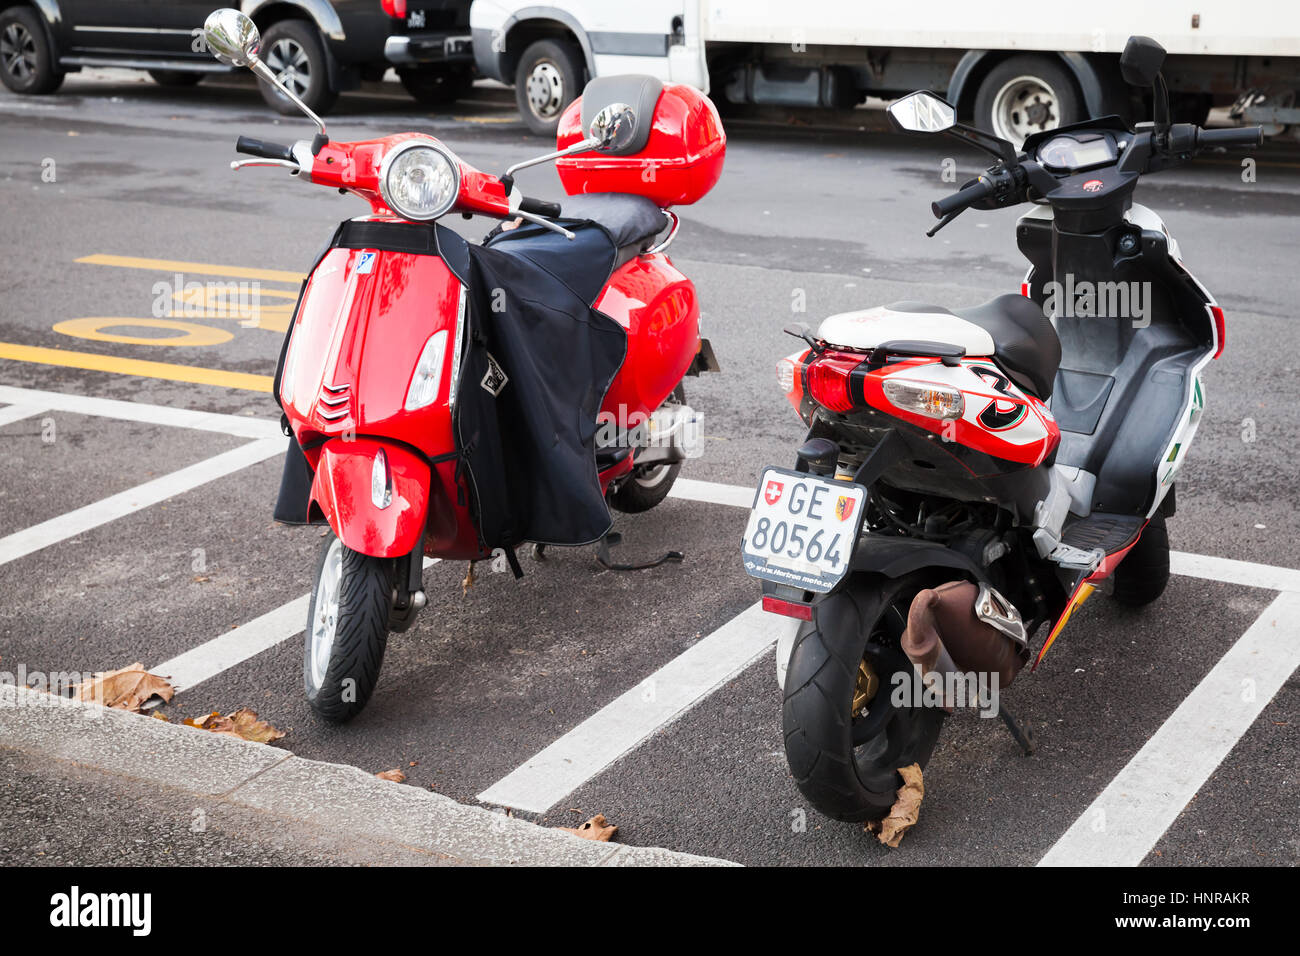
[(923, 398)]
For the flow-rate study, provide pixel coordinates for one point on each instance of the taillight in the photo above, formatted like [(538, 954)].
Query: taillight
[(394, 8), (794, 609), (828, 383), (1220, 329)]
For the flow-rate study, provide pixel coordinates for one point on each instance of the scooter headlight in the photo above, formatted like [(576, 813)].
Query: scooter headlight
[(923, 398), (423, 389), (419, 180)]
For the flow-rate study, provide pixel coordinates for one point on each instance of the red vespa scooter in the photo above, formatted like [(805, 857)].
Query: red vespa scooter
[(430, 385)]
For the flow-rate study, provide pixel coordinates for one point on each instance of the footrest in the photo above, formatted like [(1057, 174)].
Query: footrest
[(1103, 532)]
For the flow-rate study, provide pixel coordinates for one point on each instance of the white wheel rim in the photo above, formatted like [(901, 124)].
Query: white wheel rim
[(18, 51), (545, 90), (653, 477), (325, 612), (1025, 105)]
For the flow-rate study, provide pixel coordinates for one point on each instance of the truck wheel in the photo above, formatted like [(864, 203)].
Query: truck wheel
[(1024, 95), (176, 77), (347, 630), (26, 59), (547, 80), (294, 52), (438, 87), (1142, 575)]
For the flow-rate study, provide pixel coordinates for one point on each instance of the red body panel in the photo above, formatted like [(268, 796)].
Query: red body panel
[(341, 490), (681, 162)]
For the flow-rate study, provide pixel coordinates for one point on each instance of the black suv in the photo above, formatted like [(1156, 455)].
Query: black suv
[(317, 47)]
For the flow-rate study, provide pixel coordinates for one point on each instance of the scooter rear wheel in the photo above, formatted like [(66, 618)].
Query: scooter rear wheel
[(1143, 574), (648, 486), (347, 630), (846, 761)]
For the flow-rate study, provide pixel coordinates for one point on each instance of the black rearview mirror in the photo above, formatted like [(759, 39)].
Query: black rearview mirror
[(1141, 60)]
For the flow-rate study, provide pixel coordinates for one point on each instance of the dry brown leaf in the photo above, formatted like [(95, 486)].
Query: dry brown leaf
[(127, 689), (597, 828), (395, 775), (243, 724), (903, 814), (468, 582)]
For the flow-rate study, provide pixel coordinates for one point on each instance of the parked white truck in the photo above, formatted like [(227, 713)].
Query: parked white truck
[(1012, 71)]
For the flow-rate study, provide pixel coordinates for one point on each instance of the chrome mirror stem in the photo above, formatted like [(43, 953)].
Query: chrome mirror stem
[(266, 73), (581, 147)]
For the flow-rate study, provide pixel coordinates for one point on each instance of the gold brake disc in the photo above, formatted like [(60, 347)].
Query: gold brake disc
[(866, 687)]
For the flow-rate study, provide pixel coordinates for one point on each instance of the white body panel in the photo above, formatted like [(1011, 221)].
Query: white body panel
[(870, 327)]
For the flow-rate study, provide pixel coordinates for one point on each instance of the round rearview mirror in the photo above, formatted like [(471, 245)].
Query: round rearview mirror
[(613, 127), (232, 37), (922, 113)]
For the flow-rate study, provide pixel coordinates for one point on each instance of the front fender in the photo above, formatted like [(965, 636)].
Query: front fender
[(341, 489)]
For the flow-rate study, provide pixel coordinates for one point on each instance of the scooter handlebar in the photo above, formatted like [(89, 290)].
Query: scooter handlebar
[(1238, 136), (256, 147), (967, 196), (539, 207)]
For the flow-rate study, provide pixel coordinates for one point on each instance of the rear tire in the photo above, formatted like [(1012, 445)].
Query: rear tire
[(179, 78), (647, 487), (1143, 574), (294, 52), (26, 59), (547, 80), (843, 781), (347, 630)]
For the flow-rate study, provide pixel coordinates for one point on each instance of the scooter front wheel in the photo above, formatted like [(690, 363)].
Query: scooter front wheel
[(347, 630)]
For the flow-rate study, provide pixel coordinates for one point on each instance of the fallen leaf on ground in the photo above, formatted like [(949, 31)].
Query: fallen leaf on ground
[(395, 775), (243, 724), (468, 583), (903, 814), (127, 689), (597, 828)]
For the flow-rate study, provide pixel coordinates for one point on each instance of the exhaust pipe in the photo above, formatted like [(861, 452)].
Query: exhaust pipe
[(959, 628)]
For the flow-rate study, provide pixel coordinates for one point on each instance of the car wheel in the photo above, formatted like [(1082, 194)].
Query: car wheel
[(26, 59), (176, 77), (295, 54), (1024, 95), (437, 87), (547, 80)]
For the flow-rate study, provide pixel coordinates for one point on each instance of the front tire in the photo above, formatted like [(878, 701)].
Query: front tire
[(850, 781), (1143, 574), (347, 630), (294, 52), (547, 80), (26, 59)]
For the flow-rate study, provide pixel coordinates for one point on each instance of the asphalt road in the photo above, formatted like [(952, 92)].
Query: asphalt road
[(489, 678)]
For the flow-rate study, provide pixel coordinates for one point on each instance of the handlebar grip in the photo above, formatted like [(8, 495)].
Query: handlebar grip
[(255, 147), (966, 196), (1240, 136), (539, 207)]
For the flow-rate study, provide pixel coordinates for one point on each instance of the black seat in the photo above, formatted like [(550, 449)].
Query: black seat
[(632, 220), (1025, 344)]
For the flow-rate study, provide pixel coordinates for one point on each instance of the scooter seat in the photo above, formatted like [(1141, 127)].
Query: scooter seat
[(1025, 343), (632, 220)]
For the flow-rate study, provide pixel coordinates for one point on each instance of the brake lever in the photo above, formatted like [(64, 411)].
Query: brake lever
[(944, 221), (284, 163), (539, 221)]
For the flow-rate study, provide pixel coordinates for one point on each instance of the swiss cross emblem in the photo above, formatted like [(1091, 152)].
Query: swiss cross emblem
[(844, 507), (772, 493)]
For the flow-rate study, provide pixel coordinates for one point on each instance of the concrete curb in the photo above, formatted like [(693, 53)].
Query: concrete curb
[(325, 796)]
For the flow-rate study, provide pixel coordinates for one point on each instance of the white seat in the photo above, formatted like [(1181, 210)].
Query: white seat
[(871, 327)]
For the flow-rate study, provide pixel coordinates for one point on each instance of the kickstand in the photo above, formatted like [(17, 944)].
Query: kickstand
[(614, 538), (1023, 735)]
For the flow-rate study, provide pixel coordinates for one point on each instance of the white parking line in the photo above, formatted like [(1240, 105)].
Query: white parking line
[(234, 647), (712, 492), (621, 725), (1127, 819), (81, 520), (238, 425), (16, 413)]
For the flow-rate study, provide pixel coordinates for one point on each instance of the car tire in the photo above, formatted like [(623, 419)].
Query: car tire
[(549, 77), (295, 53), (26, 59), (437, 87), (347, 630), (178, 78), (1143, 574), (1024, 95)]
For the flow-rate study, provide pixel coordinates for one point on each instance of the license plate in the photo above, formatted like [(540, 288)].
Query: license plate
[(802, 529)]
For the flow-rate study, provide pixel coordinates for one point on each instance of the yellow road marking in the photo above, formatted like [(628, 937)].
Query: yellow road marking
[(140, 367), (197, 268), (190, 333)]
